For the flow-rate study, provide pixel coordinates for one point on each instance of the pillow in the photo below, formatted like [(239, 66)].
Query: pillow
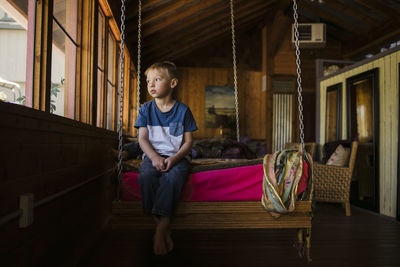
[(330, 147), (340, 157)]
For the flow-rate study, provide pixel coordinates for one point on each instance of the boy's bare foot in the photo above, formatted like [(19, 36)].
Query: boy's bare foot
[(160, 247), (168, 241)]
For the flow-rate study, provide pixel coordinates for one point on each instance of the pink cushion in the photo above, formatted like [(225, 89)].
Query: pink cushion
[(233, 184)]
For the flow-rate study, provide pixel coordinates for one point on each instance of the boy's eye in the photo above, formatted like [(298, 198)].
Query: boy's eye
[(158, 79)]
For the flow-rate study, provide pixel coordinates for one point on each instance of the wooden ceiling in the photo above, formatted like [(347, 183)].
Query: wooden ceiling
[(174, 28)]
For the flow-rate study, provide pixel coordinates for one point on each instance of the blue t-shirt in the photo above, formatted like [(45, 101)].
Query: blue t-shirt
[(166, 128)]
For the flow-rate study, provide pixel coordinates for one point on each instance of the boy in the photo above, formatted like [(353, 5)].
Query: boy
[(165, 136)]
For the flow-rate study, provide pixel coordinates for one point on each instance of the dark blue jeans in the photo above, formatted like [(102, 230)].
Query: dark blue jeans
[(161, 191)]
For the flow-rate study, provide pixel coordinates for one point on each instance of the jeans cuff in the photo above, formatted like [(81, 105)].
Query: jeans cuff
[(160, 213)]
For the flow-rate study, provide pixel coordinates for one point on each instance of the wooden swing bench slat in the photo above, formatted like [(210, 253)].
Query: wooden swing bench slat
[(213, 215)]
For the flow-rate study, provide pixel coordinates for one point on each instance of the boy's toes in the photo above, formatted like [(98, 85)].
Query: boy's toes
[(159, 247), (168, 241)]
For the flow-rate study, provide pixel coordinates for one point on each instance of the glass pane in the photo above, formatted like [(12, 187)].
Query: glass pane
[(99, 98), (111, 51), (62, 100), (109, 101), (331, 115), (65, 12), (16, 51), (364, 110), (100, 42)]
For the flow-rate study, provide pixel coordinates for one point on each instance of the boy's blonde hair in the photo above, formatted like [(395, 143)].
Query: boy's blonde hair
[(169, 66)]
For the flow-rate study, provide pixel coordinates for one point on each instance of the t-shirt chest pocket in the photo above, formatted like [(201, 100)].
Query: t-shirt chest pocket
[(175, 128)]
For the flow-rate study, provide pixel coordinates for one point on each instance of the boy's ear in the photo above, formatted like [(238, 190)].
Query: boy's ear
[(174, 82)]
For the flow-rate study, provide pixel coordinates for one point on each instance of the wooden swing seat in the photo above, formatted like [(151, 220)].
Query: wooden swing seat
[(213, 215), (128, 215)]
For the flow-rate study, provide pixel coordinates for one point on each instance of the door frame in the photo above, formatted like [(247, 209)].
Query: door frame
[(374, 74)]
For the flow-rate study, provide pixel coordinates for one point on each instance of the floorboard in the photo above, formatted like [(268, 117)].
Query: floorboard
[(363, 239)]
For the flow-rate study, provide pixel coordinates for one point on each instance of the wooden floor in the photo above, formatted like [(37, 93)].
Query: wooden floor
[(364, 239)]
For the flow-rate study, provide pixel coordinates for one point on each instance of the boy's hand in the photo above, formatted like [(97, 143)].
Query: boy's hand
[(170, 162), (158, 163)]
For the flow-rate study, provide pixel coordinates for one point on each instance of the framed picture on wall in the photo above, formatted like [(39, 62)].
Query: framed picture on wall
[(220, 107), (333, 112)]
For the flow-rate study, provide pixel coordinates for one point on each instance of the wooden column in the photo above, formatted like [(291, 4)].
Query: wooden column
[(42, 52), (29, 53), (132, 99), (85, 63), (70, 60), (127, 79), (267, 61)]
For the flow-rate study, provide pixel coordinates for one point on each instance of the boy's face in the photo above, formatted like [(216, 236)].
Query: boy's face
[(159, 84)]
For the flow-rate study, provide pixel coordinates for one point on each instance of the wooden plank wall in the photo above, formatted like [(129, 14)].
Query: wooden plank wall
[(44, 154), (388, 122), (251, 107)]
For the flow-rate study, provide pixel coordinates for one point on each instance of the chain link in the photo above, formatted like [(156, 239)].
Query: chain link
[(139, 52), (298, 70), (235, 72), (121, 94)]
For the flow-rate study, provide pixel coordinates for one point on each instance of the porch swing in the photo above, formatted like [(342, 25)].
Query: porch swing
[(221, 213)]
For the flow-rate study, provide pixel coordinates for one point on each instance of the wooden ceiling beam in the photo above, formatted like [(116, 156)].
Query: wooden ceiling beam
[(206, 26), (133, 7), (179, 18), (381, 8), (208, 10), (197, 40), (350, 11), (165, 10), (220, 35), (386, 32), (338, 20)]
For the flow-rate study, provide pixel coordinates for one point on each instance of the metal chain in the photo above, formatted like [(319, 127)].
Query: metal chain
[(139, 52), (298, 70), (235, 72), (121, 94)]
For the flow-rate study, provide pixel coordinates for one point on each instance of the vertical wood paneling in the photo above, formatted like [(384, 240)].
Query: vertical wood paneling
[(44, 155), (394, 131), (250, 96), (388, 122)]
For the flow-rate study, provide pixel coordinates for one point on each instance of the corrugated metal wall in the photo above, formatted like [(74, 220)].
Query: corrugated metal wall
[(282, 120)]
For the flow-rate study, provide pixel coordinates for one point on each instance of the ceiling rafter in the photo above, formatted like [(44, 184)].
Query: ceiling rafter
[(220, 35), (209, 33), (182, 17), (382, 8), (313, 8), (215, 22), (350, 11)]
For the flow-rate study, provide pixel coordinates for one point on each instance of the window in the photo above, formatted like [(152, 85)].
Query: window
[(111, 64), (100, 69), (333, 111), (63, 61), (17, 20)]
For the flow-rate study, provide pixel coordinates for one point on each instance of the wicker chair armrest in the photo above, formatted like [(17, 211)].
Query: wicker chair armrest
[(321, 166)]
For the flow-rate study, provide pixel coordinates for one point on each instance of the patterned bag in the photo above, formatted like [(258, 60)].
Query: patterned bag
[(282, 173)]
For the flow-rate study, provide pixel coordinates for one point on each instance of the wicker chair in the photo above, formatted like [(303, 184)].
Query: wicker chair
[(332, 183), (309, 147)]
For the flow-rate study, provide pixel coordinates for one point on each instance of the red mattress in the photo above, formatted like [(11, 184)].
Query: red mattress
[(233, 184)]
